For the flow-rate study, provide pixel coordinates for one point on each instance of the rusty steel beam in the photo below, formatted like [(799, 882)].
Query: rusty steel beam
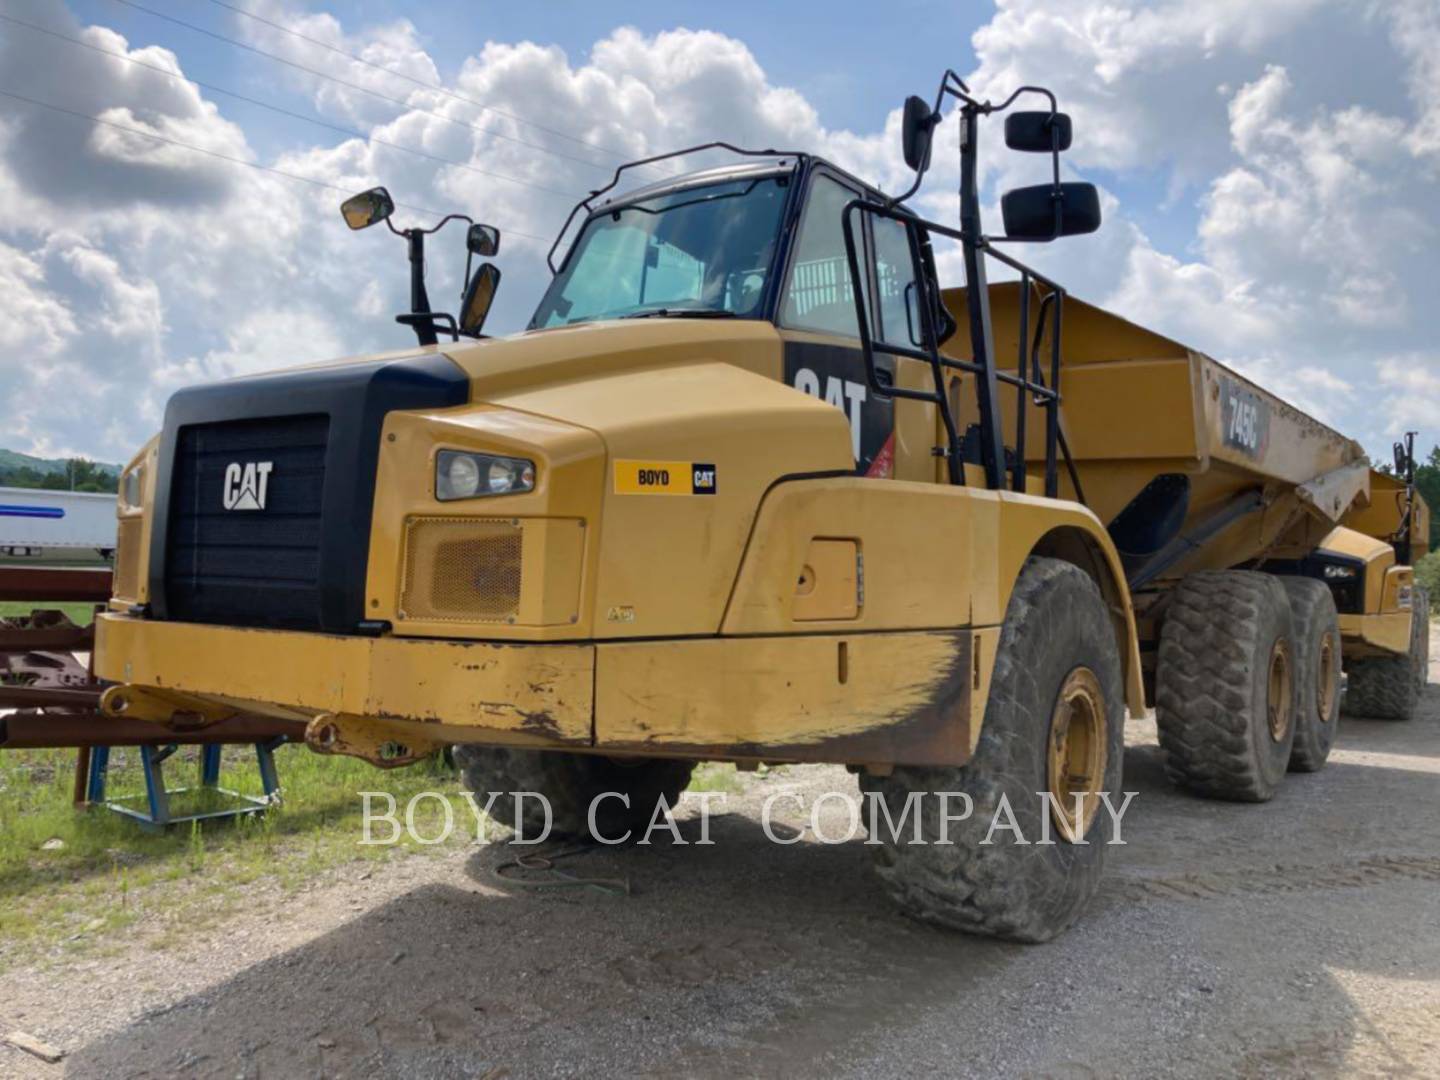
[(55, 583), (49, 638), (37, 730), (45, 697)]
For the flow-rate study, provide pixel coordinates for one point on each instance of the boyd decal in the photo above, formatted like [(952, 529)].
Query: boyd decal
[(247, 485), (665, 478)]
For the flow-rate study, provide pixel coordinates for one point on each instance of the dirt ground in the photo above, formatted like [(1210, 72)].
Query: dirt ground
[(1298, 938)]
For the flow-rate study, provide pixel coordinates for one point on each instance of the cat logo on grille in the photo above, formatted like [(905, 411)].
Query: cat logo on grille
[(246, 485)]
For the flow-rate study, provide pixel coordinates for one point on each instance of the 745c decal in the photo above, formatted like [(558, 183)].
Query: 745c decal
[(664, 478), (1244, 419)]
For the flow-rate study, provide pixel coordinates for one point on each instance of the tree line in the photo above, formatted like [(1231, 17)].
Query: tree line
[(78, 474), (1427, 482)]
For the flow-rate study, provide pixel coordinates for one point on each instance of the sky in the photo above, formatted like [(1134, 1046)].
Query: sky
[(170, 171)]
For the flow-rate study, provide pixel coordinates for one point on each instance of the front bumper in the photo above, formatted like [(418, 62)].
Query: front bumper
[(1370, 635), (530, 693), (891, 698)]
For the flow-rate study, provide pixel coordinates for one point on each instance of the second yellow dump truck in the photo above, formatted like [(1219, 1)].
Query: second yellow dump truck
[(753, 487)]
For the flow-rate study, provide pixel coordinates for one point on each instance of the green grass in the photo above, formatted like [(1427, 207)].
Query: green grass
[(715, 776), (108, 874), (722, 776), (80, 614)]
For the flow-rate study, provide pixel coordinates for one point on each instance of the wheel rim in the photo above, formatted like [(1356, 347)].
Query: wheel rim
[(1278, 700), (1325, 692), (1077, 753)]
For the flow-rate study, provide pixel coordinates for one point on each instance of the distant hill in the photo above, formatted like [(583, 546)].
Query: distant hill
[(26, 470), (13, 459)]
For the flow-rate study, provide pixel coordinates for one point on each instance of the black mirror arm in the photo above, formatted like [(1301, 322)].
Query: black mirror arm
[(935, 118), (433, 229), (951, 85), (446, 221), (424, 324), (896, 200)]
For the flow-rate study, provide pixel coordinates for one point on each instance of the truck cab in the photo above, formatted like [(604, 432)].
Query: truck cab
[(761, 240)]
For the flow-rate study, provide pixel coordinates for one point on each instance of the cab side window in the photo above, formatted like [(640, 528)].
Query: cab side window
[(897, 295), (819, 294)]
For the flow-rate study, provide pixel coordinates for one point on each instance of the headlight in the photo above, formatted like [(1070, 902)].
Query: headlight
[(130, 487), (459, 475)]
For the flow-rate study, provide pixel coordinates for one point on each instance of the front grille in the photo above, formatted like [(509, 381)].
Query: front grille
[(1349, 592), (462, 569), (258, 567)]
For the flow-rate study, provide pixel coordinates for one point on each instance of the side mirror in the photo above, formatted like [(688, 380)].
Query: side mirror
[(1033, 132), (483, 240), (916, 128), (1030, 213), (479, 295), (368, 208)]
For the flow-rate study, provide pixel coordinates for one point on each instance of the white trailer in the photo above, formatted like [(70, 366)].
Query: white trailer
[(50, 525)]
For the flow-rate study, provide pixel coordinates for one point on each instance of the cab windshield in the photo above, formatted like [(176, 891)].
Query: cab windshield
[(704, 251)]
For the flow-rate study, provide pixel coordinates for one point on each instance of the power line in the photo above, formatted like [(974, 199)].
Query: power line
[(286, 112), (224, 157), (399, 102), (623, 156)]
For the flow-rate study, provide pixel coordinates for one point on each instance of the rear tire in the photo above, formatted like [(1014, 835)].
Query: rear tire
[(570, 782), (1057, 673), (1388, 687), (1225, 686), (1317, 671)]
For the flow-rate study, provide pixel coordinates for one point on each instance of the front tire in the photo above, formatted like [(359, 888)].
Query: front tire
[(1388, 687), (1055, 721), (569, 782)]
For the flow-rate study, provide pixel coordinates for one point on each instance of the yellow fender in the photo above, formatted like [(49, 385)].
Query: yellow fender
[(970, 543)]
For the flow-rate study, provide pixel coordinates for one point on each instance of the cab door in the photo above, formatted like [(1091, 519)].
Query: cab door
[(817, 322)]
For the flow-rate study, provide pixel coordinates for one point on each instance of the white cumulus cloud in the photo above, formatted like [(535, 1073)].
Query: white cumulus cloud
[(1289, 149)]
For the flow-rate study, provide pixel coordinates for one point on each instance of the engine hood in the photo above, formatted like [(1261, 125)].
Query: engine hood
[(537, 358)]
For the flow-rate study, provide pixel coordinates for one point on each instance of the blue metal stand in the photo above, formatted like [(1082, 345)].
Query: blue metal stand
[(157, 814)]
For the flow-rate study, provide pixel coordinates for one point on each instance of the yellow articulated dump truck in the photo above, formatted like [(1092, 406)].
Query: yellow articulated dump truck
[(753, 487), (1384, 615)]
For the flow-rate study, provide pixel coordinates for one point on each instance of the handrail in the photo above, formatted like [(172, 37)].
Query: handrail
[(1029, 378)]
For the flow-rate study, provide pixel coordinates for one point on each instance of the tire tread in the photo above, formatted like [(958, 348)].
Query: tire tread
[(1204, 698)]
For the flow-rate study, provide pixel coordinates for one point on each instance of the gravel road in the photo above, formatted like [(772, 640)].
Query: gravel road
[(1297, 938)]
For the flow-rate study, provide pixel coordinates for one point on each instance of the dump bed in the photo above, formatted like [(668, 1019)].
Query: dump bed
[(1168, 442)]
